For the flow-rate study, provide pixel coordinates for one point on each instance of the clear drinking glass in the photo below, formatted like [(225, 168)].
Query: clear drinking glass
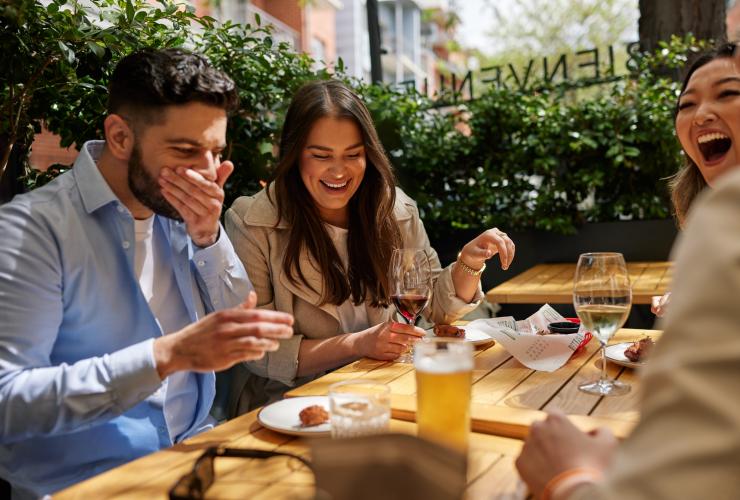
[(359, 408), (410, 281), (602, 298), (444, 377)]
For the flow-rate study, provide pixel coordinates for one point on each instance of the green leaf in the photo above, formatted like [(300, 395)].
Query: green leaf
[(589, 142), (257, 19), (613, 150), (130, 11), (96, 49), (265, 148), (67, 52)]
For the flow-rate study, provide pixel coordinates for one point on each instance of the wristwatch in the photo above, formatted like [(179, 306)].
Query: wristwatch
[(466, 268)]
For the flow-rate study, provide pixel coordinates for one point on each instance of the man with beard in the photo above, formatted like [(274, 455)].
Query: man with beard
[(109, 279)]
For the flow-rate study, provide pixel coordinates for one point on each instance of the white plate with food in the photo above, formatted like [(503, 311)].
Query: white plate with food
[(472, 335), (284, 416), (615, 354)]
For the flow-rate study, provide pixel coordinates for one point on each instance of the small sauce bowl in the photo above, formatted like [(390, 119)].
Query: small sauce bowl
[(565, 327)]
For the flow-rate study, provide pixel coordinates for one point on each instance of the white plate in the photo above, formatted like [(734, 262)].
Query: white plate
[(615, 354), (282, 416), (475, 337)]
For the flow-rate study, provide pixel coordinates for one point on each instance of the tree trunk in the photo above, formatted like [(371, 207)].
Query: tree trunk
[(659, 19), (10, 185), (6, 146)]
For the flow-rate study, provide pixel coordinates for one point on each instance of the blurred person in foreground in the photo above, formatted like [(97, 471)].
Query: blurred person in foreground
[(108, 279), (708, 127), (687, 443)]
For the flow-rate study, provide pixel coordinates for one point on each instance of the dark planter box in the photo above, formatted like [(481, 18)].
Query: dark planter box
[(649, 240)]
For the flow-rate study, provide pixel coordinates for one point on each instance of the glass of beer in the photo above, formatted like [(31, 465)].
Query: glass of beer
[(444, 376)]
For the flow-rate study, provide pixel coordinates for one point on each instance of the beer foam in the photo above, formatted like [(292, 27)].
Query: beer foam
[(443, 363)]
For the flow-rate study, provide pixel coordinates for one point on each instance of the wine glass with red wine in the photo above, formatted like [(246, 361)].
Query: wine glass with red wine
[(410, 286)]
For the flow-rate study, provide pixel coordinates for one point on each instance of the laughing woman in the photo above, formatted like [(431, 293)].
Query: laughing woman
[(317, 243), (707, 124), (708, 127)]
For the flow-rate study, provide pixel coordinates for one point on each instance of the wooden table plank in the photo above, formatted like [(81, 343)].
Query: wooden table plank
[(173, 462), (153, 475), (496, 385), (383, 372), (650, 282), (498, 483), (509, 422), (541, 387), (553, 283), (522, 278), (571, 400)]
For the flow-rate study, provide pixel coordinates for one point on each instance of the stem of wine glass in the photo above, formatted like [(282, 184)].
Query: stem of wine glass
[(603, 378)]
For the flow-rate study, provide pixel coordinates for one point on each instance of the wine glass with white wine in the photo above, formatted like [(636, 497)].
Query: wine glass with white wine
[(602, 298)]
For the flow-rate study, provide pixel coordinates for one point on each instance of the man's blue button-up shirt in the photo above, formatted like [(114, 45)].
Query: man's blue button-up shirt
[(77, 370)]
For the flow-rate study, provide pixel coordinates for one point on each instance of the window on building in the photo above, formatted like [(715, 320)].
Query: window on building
[(318, 49)]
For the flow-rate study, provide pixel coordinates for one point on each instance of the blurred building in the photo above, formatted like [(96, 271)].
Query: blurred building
[(353, 42), (308, 27), (414, 33), (733, 20), (414, 40)]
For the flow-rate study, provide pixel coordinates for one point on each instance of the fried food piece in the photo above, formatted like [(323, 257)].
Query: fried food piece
[(449, 331), (639, 350), (313, 415)]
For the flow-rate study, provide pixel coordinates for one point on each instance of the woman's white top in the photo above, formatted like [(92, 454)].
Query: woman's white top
[(352, 318)]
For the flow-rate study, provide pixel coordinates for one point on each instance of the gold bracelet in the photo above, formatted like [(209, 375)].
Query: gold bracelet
[(467, 269)]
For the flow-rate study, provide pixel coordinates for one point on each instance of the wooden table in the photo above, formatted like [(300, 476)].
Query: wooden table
[(553, 283), (491, 472), (507, 398)]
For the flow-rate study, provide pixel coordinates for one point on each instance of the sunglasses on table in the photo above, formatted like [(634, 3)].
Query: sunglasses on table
[(194, 484)]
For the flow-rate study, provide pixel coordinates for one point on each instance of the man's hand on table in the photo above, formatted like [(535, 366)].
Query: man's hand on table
[(222, 339), (555, 445)]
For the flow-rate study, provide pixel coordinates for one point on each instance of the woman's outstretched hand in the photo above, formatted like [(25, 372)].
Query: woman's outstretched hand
[(486, 245), (660, 304)]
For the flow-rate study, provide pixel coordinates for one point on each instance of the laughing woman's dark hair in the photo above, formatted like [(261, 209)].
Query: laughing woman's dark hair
[(689, 182), (373, 230)]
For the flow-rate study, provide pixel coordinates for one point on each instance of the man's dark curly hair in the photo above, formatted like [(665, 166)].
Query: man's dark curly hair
[(146, 82)]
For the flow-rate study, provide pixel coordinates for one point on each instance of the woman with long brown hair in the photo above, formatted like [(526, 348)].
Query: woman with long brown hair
[(708, 127), (317, 243)]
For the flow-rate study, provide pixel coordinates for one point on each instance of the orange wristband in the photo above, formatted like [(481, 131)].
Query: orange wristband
[(566, 480)]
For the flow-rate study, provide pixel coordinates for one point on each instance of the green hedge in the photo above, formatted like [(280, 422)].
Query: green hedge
[(541, 160), (532, 160)]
